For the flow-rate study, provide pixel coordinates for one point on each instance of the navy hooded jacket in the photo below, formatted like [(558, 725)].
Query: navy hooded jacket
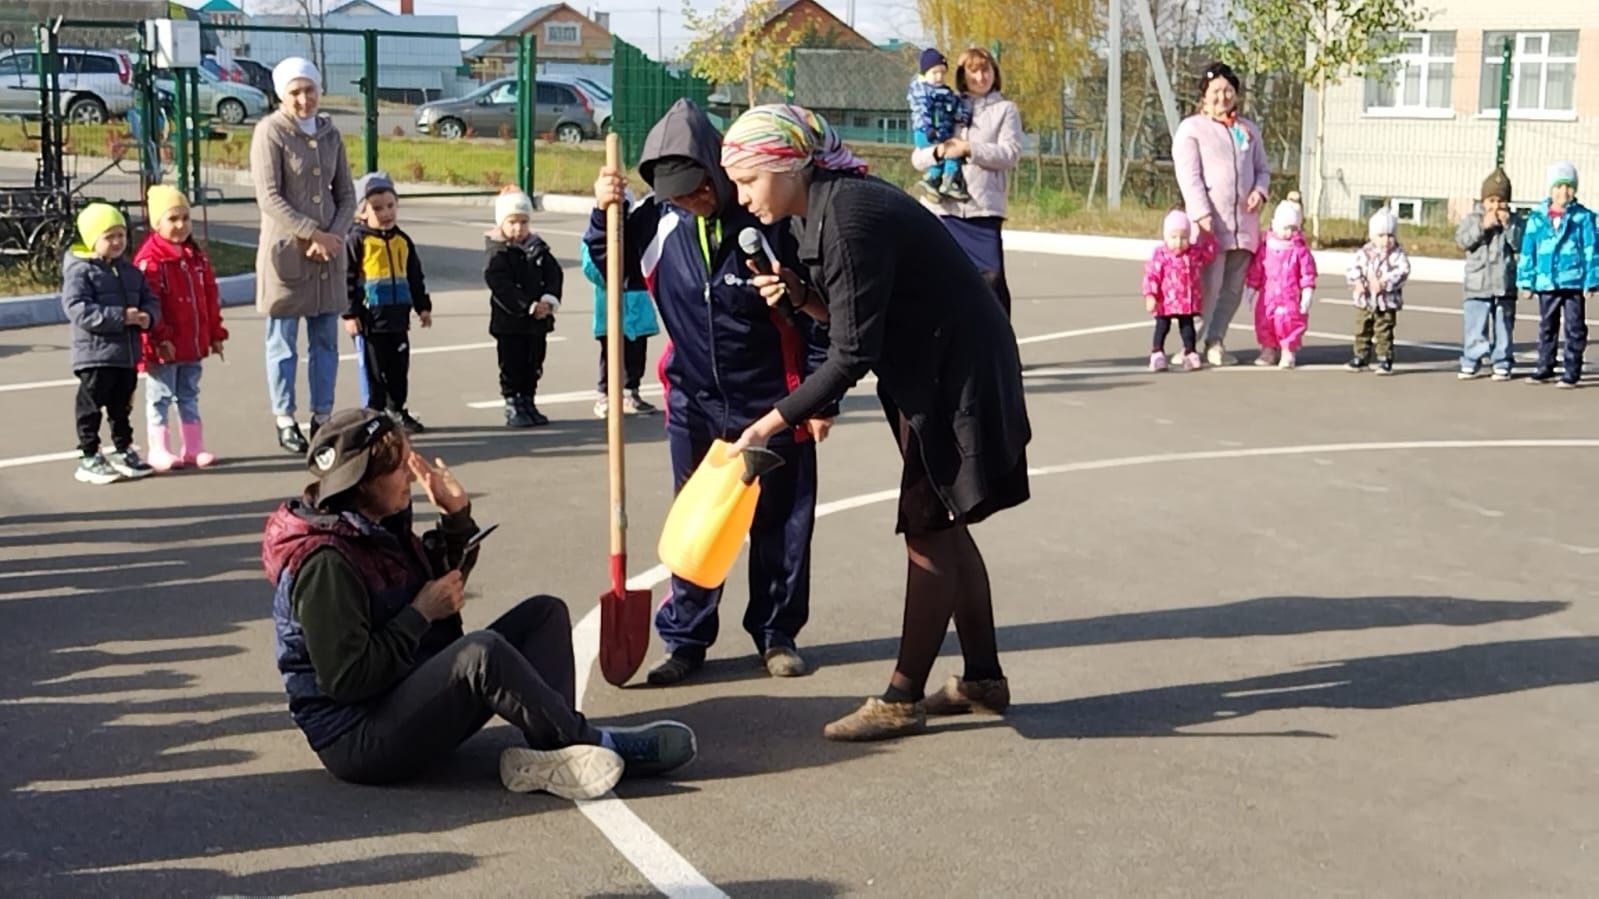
[(733, 357)]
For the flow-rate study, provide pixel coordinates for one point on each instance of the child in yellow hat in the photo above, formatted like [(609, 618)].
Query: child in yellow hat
[(190, 328), (110, 307)]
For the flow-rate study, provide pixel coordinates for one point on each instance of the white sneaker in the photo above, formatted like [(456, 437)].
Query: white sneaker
[(571, 772), (601, 406), (1288, 361), (1267, 357), (1216, 355)]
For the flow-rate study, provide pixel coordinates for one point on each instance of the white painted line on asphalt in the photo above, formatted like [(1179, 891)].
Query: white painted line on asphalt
[(343, 357), (1444, 310), (34, 385), (1084, 332), (660, 864), (672, 874), (574, 396), (35, 460)]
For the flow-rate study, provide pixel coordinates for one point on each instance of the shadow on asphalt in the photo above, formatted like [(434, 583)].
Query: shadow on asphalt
[(383, 869), (1370, 682), (1266, 616)]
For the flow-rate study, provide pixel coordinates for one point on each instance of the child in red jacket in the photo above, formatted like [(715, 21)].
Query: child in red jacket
[(189, 329)]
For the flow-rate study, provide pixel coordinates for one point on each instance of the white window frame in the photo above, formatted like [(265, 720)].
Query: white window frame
[(550, 31), (1401, 64), (1492, 59)]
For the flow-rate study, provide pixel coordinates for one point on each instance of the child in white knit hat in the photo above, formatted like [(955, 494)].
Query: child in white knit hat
[(524, 282), (1560, 266), (1377, 278)]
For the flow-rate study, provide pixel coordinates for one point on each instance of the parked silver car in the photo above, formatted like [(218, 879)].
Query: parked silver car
[(598, 95), (560, 109), (95, 84), (230, 101)]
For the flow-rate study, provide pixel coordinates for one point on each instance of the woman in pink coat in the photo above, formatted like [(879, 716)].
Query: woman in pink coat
[(1222, 171), (1283, 275)]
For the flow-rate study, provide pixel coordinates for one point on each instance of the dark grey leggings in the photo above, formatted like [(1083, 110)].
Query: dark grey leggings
[(519, 668)]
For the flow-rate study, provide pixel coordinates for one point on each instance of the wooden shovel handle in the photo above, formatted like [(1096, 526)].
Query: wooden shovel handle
[(613, 356)]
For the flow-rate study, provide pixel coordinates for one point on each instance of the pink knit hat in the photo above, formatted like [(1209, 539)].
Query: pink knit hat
[(1176, 220)]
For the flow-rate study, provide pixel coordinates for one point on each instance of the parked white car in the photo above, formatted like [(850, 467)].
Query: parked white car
[(95, 84)]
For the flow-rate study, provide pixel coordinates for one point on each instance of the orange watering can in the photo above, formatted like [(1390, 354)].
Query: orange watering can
[(711, 515)]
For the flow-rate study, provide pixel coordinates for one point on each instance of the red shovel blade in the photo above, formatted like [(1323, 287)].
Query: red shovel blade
[(624, 631)]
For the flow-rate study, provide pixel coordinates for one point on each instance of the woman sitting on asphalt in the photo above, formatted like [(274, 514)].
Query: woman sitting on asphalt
[(369, 641)]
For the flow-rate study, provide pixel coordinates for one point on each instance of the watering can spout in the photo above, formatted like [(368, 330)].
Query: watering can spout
[(758, 460)]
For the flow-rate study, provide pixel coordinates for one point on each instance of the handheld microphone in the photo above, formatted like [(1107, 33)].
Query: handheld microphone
[(749, 241)]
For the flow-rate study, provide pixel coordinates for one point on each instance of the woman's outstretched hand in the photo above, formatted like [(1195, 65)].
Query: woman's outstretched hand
[(440, 485)]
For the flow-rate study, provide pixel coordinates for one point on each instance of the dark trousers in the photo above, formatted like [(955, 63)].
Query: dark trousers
[(111, 389), (521, 362), (634, 353), (1375, 325), (1185, 329), (520, 668), (779, 556), (388, 370), (1551, 307), (996, 280)]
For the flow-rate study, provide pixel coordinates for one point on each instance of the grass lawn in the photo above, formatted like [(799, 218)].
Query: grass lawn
[(226, 258), (1039, 201)]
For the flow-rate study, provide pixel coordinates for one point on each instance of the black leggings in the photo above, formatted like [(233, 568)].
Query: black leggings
[(519, 668), (1185, 328), (945, 578)]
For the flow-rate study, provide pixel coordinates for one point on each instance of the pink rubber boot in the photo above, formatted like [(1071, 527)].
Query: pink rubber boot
[(194, 446), (157, 453)]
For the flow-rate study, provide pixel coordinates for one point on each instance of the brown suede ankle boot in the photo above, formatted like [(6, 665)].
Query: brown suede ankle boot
[(878, 719), (958, 697)]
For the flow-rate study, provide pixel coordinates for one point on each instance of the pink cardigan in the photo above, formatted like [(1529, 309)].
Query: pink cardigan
[(1216, 176), (996, 138)]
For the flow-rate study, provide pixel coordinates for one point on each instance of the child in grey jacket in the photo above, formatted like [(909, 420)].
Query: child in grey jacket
[(1491, 236), (109, 304)]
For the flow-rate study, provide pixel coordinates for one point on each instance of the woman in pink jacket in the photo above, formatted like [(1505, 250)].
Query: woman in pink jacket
[(991, 145), (1222, 171)]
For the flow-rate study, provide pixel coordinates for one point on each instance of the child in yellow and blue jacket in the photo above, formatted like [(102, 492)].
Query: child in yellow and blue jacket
[(385, 286)]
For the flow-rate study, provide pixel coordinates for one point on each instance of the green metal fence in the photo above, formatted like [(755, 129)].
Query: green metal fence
[(642, 91)]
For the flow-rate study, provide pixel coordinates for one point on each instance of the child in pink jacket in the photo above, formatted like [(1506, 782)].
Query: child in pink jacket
[(1283, 277), (1172, 289)]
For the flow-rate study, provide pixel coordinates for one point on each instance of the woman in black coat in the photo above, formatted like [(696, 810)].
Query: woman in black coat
[(898, 294)]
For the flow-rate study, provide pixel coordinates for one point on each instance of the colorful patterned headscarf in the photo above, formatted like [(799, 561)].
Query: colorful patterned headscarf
[(783, 138)]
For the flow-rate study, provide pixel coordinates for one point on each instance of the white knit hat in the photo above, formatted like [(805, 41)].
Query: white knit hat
[(511, 202), (1383, 221), (1563, 173), (290, 69), (1287, 215)]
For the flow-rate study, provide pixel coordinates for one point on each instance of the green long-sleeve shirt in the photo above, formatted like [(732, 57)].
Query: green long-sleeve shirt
[(353, 659)]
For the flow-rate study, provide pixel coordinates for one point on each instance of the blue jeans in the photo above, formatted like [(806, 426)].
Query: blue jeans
[(1490, 324), (179, 381), (322, 336), (942, 168)]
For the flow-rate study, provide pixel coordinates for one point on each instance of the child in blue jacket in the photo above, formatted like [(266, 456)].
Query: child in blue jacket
[(638, 324), (1559, 263)]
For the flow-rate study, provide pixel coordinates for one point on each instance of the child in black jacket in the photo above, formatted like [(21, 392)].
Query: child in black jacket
[(525, 291)]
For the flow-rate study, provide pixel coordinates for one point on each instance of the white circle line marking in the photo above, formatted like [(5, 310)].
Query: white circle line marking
[(672, 874)]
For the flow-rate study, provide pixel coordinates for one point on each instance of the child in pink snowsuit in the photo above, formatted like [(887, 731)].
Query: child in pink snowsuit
[(1283, 277), (1172, 289)]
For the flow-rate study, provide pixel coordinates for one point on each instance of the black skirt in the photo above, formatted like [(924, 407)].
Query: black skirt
[(923, 511)]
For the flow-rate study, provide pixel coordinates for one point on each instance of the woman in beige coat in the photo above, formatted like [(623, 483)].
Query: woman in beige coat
[(991, 146), (302, 184)]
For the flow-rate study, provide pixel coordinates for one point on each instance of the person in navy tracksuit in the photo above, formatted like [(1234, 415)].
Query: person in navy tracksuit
[(730, 357)]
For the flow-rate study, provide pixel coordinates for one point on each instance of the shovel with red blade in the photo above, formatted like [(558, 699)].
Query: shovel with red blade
[(624, 613)]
